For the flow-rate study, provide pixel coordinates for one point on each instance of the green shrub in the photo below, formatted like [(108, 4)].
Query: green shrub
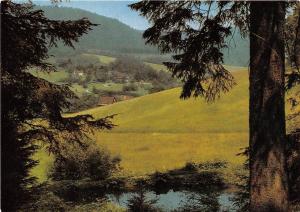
[(130, 87), (190, 166), (75, 162), (46, 201), (98, 206)]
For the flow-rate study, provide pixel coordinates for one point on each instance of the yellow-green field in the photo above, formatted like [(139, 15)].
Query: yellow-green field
[(158, 67), (56, 76), (145, 153), (107, 60), (102, 58), (164, 112), (160, 132)]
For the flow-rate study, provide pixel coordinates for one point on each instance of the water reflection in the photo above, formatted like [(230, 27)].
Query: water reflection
[(181, 200)]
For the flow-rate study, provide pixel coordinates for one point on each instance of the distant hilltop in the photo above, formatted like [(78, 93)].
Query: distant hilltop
[(116, 37), (111, 34)]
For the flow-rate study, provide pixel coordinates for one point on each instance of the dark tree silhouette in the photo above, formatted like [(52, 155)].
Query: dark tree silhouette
[(195, 33), (196, 37), (268, 170), (32, 107), (292, 35)]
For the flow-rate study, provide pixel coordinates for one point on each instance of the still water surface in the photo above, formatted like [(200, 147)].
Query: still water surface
[(171, 200)]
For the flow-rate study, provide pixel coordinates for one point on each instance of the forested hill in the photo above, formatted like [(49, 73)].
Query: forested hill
[(117, 38), (110, 35)]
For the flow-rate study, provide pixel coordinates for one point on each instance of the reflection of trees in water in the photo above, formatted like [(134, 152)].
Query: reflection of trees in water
[(139, 201), (205, 183), (241, 199), (202, 202)]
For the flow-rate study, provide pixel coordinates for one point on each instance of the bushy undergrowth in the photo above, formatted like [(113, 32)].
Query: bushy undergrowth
[(98, 206), (48, 201), (76, 162)]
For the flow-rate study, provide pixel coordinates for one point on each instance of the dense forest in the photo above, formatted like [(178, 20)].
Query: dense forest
[(109, 35)]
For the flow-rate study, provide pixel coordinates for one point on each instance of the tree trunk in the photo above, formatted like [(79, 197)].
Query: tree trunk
[(268, 171)]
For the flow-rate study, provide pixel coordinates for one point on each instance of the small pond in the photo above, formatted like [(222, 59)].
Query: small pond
[(172, 199)]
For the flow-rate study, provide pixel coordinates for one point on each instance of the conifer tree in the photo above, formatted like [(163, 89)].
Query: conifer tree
[(32, 108), (194, 32)]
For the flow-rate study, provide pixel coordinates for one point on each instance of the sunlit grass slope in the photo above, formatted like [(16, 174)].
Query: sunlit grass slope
[(102, 58), (158, 67), (164, 112), (56, 76), (159, 132)]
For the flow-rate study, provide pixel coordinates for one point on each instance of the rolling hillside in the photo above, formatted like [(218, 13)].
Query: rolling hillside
[(110, 35), (164, 112), (114, 37), (160, 132)]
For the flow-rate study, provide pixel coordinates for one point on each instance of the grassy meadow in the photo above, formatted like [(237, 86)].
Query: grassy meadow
[(164, 112), (102, 58), (108, 59), (158, 67), (56, 76), (160, 132)]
